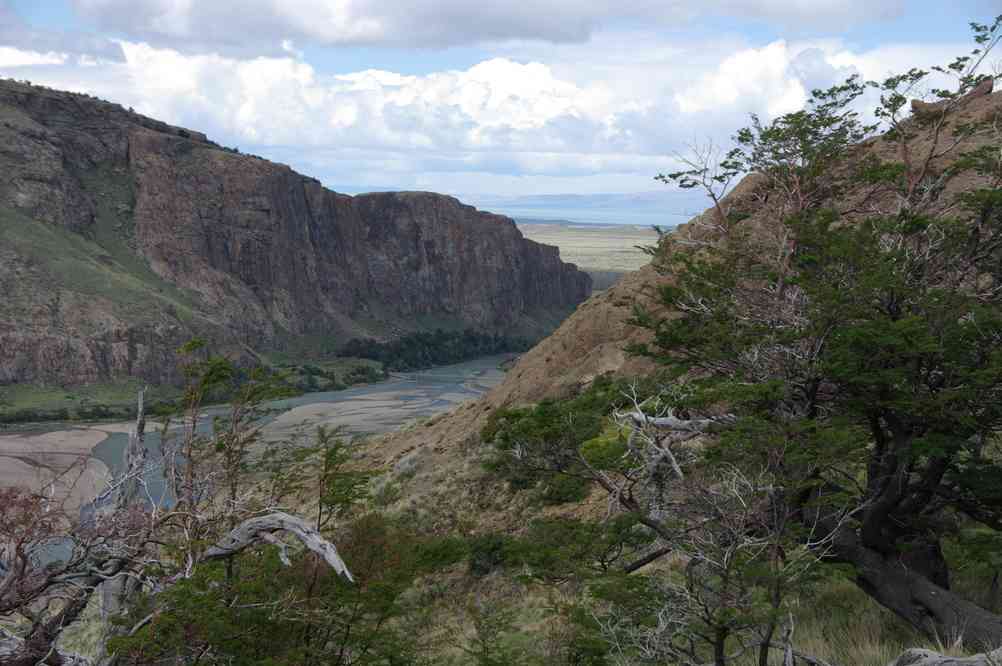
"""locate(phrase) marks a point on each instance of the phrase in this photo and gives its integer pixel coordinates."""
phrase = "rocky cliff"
(121, 236)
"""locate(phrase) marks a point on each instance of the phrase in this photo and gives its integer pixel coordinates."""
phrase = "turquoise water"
(370, 409)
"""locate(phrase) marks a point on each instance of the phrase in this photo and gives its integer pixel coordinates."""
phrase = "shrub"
(437, 553)
(487, 553)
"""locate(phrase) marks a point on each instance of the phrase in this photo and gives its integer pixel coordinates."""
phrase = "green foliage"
(857, 352)
(331, 375)
(33, 403)
(556, 550)
(559, 549)
(537, 447)
(584, 643)
(268, 614)
(488, 644)
(316, 472)
(417, 351)
(799, 151)
(558, 489)
(440, 552)
(487, 553)
(607, 450)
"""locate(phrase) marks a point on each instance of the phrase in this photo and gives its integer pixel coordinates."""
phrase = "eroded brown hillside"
(591, 342)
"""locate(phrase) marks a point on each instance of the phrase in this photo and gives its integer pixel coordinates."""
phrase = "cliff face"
(121, 236)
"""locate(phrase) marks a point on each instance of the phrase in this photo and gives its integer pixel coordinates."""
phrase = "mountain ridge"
(125, 236)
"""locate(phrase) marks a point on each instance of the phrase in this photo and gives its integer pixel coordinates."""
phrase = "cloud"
(496, 104)
(261, 26)
(771, 80)
(504, 124)
(17, 35)
(12, 57)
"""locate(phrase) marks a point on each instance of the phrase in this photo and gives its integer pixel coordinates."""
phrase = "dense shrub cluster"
(549, 437)
(425, 350)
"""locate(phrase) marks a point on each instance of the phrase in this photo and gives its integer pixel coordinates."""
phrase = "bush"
(487, 553)
(549, 437)
(425, 350)
(563, 488)
(437, 553)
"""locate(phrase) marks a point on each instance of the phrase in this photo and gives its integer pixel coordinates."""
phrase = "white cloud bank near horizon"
(554, 117)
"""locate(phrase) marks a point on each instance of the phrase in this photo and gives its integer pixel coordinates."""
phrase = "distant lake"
(665, 208)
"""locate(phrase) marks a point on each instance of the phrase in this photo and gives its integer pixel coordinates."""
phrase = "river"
(31, 456)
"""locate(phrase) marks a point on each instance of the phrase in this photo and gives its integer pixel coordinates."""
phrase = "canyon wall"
(121, 237)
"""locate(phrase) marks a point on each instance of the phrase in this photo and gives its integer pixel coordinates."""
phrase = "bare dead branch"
(255, 530)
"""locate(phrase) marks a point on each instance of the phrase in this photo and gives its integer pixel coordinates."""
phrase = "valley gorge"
(274, 423)
(122, 237)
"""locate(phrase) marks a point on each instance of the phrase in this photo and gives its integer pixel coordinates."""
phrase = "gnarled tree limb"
(262, 529)
(672, 422)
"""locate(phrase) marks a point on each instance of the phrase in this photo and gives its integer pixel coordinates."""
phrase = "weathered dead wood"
(672, 422)
(916, 657)
(12, 650)
(796, 656)
(115, 592)
(110, 559)
(263, 528)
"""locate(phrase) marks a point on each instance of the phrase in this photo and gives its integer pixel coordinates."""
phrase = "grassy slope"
(114, 232)
(71, 282)
(453, 494)
(100, 401)
(62, 264)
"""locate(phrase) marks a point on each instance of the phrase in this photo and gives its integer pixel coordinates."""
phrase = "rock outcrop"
(983, 89)
(121, 236)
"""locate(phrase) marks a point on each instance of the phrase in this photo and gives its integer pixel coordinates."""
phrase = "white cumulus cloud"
(13, 57)
(262, 25)
(527, 120)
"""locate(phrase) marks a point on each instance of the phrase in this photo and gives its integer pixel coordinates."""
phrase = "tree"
(485, 644)
(316, 471)
(737, 562)
(742, 549)
(55, 558)
(851, 327)
(300, 614)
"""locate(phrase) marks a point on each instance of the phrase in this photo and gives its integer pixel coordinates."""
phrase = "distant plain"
(606, 251)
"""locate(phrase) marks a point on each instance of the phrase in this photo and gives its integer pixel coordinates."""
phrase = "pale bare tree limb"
(262, 529)
(917, 657)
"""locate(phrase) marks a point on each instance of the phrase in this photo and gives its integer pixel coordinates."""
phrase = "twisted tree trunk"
(936, 611)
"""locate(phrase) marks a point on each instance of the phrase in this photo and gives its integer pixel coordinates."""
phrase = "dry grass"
(595, 247)
(838, 623)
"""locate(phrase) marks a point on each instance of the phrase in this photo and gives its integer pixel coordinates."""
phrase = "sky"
(498, 100)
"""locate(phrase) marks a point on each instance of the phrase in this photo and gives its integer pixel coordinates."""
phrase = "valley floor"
(80, 457)
(604, 251)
